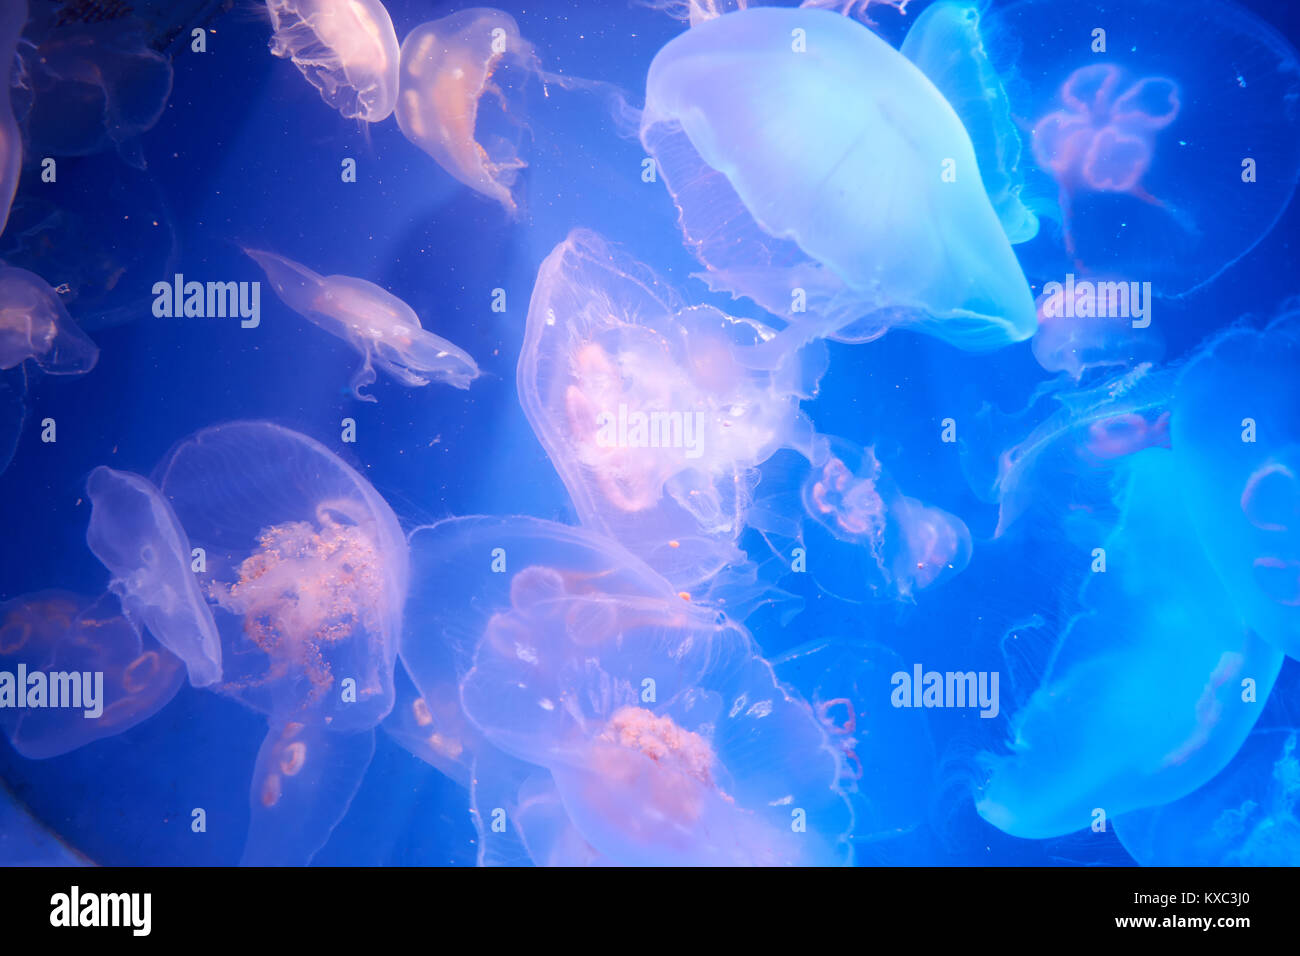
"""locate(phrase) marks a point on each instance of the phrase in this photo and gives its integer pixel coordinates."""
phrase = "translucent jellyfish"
(447, 67)
(1249, 815)
(945, 44)
(12, 19)
(347, 49)
(35, 325)
(1170, 121)
(865, 537)
(58, 645)
(135, 534)
(650, 411)
(95, 86)
(695, 12)
(828, 180)
(305, 571)
(668, 738)
(1152, 688)
(1096, 331)
(376, 323)
(1236, 434)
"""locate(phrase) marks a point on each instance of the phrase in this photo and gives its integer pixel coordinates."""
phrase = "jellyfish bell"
(887, 222)
(347, 49)
(448, 67)
(12, 19)
(35, 325)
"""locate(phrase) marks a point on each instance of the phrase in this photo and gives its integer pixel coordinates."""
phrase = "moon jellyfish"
(12, 19)
(347, 49)
(945, 44)
(1149, 121)
(447, 67)
(1088, 325)
(823, 176)
(649, 410)
(1249, 815)
(95, 86)
(668, 738)
(305, 570)
(1152, 688)
(74, 670)
(137, 537)
(35, 325)
(1236, 435)
(380, 326)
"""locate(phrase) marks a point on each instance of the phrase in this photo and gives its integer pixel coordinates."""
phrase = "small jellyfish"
(877, 219)
(35, 325)
(12, 19)
(1171, 121)
(1093, 324)
(95, 86)
(305, 571)
(1249, 815)
(447, 67)
(695, 12)
(1152, 688)
(74, 670)
(945, 44)
(651, 412)
(376, 323)
(668, 737)
(1236, 434)
(137, 537)
(347, 49)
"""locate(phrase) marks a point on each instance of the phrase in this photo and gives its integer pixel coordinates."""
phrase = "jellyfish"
(825, 178)
(376, 323)
(447, 67)
(347, 49)
(74, 670)
(1087, 325)
(695, 12)
(1153, 123)
(668, 738)
(134, 532)
(12, 19)
(1236, 434)
(945, 44)
(650, 411)
(305, 571)
(1153, 687)
(95, 86)
(35, 325)
(1249, 815)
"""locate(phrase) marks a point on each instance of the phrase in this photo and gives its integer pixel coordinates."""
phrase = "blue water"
(246, 155)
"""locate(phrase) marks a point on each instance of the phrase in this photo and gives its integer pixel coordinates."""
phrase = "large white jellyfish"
(35, 325)
(380, 326)
(447, 66)
(137, 537)
(305, 571)
(820, 173)
(651, 411)
(106, 674)
(347, 49)
(12, 19)
(668, 738)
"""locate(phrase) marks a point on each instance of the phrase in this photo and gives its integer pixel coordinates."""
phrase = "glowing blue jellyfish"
(347, 49)
(35, 325)
(447, 67)
(135, 534)
(827, 179)
(1152, 688)
(667, 737)
(945, 44)
(1249, 815)
(96, 86)
(1090, 324)
(107, 677)
(376, 323)
(650, 411)
(1149, 120)
(305, 571)
(12, 19)
(1236, 435)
